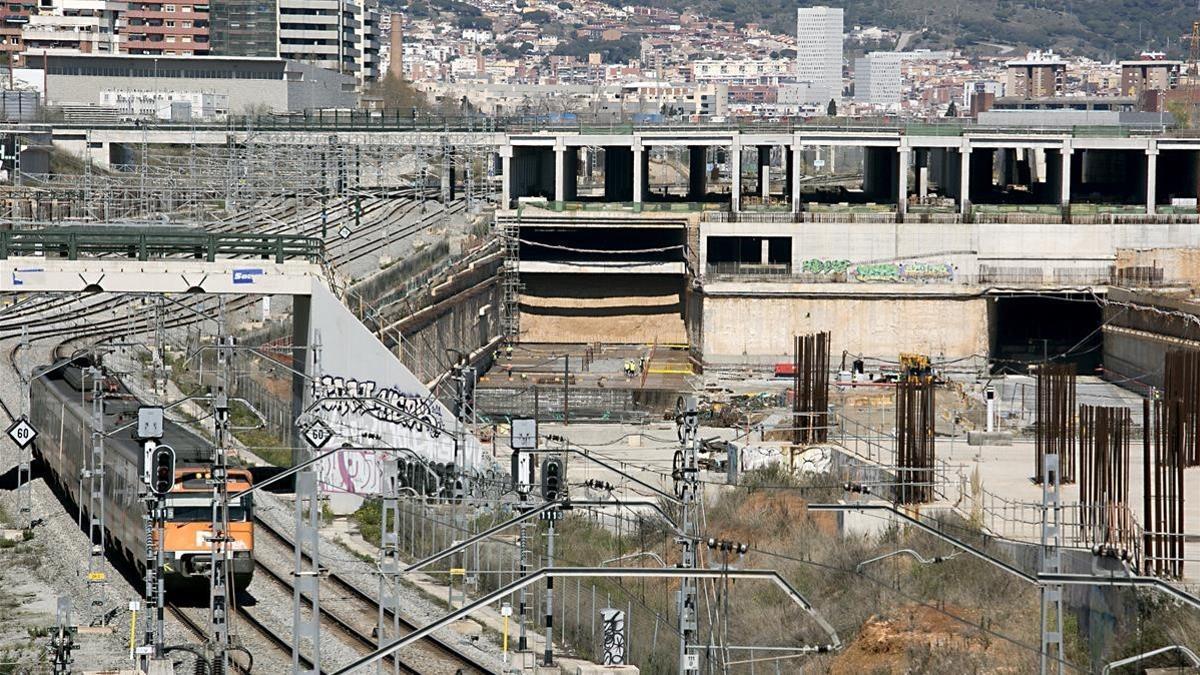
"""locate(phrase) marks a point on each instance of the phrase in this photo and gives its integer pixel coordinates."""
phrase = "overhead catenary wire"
(572, 249)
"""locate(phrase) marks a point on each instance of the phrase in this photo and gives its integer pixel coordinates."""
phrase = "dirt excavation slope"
(626, 309)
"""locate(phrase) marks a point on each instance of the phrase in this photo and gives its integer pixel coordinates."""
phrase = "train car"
(61, 403)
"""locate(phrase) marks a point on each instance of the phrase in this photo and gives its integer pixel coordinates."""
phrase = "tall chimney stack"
(396, 63)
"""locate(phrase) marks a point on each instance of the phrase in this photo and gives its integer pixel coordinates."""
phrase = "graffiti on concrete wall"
(613, 649)
(895, 272)
(346, 396)
(819, 266)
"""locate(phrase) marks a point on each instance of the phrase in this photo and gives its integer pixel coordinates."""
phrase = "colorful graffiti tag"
(346, 396)
(819, 266)
(894, 272)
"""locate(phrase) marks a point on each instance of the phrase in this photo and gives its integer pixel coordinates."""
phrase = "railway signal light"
(552, 478)
(162, 470)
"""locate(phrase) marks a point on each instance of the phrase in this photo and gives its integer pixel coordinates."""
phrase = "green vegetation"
(613, 51)
(261, 442)
(366, 518)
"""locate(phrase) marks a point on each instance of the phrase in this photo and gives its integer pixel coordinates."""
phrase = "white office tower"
(819, 52)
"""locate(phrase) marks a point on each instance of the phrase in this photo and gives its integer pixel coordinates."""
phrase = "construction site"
(442, 398)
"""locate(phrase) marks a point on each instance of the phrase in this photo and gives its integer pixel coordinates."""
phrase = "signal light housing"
(162, 470)
(553, 478)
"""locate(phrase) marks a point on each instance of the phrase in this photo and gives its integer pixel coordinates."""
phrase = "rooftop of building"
(1150, 62)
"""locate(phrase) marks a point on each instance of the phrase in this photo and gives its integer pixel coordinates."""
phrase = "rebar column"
(1056, 419)
(1104, 477)
(810, 402)
(915, 450)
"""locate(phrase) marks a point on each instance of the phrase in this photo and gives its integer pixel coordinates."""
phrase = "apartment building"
(1038, 75)
(13, 20)
(75, 26)
(166, 27)
(741, 72)
(877, 76)
(245, 28)
(819, 45)
(1152, 72)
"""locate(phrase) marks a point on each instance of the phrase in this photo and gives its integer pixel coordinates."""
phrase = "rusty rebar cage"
(1104, 434)
(810, 403)
(1181, 377)
(915, 449)
(1055, 419)
(1162, 471)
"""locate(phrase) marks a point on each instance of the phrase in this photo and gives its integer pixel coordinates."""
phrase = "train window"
(203, 514)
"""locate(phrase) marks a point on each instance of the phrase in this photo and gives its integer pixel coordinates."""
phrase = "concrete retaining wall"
(963, 245)
(760, 329)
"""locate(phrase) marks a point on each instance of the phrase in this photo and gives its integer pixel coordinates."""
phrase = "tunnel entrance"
(1027, 329)
(597, 246)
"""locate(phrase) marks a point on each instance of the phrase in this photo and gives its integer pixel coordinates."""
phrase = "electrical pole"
(548, 655)
(522, 563)
(307, 536)
(389, 560)
(684, 474)
(218, 608)
(554, 488)
(158, 478)
(95, 476)
(24, 468)
(1052, 611)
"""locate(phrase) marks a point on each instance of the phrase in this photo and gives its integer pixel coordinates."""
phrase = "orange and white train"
(61, 410)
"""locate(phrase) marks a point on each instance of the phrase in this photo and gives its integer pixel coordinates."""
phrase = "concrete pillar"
(1037, 165)
(920, 163)
(735, 171)
(506, 177)
(964, 179)
(560, 174)
(764, 172)
(1064, 190)
(1151, 177)
(902, 157)
(639, 173)
(697, 166)
(765, 251)
(795, 158)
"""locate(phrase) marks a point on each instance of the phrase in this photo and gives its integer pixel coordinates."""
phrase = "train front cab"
(188, 529)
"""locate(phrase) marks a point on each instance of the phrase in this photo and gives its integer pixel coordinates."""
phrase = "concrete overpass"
(1057, 169)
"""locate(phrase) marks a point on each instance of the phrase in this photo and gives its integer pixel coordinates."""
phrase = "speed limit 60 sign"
(22, 432)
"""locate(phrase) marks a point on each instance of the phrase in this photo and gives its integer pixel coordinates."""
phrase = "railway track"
(195, 620)
(354, 612)
(71, 318)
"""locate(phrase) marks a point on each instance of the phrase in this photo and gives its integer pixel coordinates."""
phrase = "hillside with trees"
(1103, 29)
